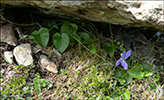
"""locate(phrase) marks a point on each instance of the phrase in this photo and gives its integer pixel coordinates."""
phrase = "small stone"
(22, 54)
(8, 56)
(49, 65)
(8, 35)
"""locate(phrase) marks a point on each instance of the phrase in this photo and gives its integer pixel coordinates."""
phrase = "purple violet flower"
(124, 56)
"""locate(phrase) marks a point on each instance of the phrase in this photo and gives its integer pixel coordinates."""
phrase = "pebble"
(8, 56)
(22, 54)
(49, 65)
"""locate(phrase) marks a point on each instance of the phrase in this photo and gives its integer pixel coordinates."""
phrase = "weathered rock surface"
(8, 56)
(138, 13)
(22, 54)
(46, 63)
(7, 35)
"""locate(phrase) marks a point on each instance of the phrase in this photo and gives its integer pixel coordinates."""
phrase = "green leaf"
(128, 78)
(136, 72)
(147, 74)
(69, 28)
(37, 75)
(109, 49)
(85, 36)
(126, 95)
(41, 37)
(157, 77)
(122, 81)
(20, 98)
(147, 67)
(123, 76)
(61, 42)
(43, 82)
(53, 24)
(49, 86)
(86, 39)
(92, 48)
(153, 85)
(116, 95)
(117, 74)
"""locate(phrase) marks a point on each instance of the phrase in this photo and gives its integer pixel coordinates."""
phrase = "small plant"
(68, 36)
(14, 88)
(138, 71)
(109, 49)
(62, 40)
(39, 83)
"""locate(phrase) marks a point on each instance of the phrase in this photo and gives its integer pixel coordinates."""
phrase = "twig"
(21, 24)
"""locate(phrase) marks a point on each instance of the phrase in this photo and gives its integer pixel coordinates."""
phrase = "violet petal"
(123, 55)
(124, 64)
(128, 54)
(118, 62)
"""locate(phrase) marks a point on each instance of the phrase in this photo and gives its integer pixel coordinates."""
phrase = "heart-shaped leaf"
(61, 42)
(117, 74)
(86, 39)
(41, 37)
(109, 49)
(123, 76)
(69, 28)
(136, 72)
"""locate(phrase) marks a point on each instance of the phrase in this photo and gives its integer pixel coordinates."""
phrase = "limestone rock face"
(22, 54)
(137, 13)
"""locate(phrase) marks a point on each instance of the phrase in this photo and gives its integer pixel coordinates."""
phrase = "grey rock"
(8, 56)
(136, 13)
(7, 35)
(49, 65)
(22, 54)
